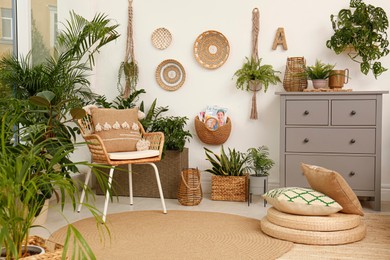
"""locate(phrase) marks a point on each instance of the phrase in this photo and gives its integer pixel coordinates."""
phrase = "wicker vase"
(190, 189)
(294, 77)
(231, 188)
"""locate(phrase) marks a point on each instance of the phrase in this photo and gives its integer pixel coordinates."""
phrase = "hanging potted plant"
(319, 74)
(361, 30)
(253, 76)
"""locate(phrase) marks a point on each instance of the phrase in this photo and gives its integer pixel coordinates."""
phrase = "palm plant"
(231, 164)
(258, 160)
(28, 175)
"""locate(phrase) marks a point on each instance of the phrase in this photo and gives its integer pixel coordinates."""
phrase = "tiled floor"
(256, 209)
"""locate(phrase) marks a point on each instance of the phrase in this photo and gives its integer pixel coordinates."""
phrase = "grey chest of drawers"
(336, 130)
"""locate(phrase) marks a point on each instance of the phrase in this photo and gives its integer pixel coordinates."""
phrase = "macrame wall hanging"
(129, 67)
(255, 86)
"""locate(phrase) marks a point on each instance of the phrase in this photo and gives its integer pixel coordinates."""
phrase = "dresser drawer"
(307, 112)
(353, 112)
(330, 140)
(357, 171)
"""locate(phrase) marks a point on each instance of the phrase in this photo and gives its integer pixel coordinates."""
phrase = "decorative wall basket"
(294, 77)
(214, 137)
(231, 188)
(170, 75)
(161, 38)
(190, 189)
(211, 49)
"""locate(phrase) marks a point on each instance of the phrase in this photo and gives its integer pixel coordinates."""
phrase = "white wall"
(307, 27)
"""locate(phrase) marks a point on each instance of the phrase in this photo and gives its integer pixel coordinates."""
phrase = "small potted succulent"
(319, 74)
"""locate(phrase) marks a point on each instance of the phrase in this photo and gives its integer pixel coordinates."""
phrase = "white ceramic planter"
(258, 184)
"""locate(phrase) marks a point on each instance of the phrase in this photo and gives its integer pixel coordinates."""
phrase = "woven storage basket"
(190, 189)
(232, 188)
(216, 137)
(294, 77)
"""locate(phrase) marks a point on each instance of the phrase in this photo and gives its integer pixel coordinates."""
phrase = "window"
(6, 24)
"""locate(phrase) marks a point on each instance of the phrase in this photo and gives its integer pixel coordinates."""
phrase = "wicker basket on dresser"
(337, 130)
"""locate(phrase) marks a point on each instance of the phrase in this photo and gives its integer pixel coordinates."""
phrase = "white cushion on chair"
(133, 155)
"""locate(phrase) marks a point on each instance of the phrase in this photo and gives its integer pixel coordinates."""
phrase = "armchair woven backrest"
(99, 152)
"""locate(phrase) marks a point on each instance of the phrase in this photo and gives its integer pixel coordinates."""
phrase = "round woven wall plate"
(161, 38)
(170, 75)
(211, 49)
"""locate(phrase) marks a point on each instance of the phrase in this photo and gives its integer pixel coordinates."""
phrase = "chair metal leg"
(159, 187)
(87, 177)
(108, 194)
(130, 184)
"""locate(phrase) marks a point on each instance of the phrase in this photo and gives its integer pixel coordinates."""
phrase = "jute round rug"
(179, 235)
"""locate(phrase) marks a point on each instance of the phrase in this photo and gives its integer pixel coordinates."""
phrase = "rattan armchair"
(101, 156)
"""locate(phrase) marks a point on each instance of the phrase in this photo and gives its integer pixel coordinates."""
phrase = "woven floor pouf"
(334, 229)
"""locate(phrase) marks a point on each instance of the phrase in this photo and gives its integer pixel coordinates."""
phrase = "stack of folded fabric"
(328, 214)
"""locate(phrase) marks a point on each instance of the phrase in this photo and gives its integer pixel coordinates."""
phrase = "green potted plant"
(252, 76)
(259, 164)
(28, 176)
(229, 179)
(319, 73)
(361, 30)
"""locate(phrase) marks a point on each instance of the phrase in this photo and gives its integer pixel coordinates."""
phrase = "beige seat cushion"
(133, 155)
(333, 184)
(118, 128)
(301, 201)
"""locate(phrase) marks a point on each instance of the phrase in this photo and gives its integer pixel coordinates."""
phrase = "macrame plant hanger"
(255, 56)
(129, 66)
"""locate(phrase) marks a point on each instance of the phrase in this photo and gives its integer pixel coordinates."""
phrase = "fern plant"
(231, 164)
(319, 71)
(252, 70)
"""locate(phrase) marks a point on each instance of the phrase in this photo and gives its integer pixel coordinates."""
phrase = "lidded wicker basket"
(215, 137)
(190, 189)
(294, 77)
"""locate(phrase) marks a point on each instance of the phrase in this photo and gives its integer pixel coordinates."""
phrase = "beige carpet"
(179, 235)
(376, 244)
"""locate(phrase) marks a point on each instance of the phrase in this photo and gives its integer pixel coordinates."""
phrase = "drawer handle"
(352, 173)
(353, 112)
(353, 141)
(306, 112)
(306, 140)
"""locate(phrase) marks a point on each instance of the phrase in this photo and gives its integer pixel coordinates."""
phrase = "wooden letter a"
(280, 39)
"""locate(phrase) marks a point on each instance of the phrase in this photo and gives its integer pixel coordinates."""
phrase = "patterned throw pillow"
(118, 128)
(301, 201)
(334, 185)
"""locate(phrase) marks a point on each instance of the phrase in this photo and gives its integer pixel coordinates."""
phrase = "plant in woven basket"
(232, 163)
(258, 160)
(174, 132)
(362, 31)
(253, 71)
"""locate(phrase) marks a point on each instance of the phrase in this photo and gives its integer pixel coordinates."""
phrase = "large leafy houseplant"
(362, 31)
(28, 174)
(253, 71)
(232, 163)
